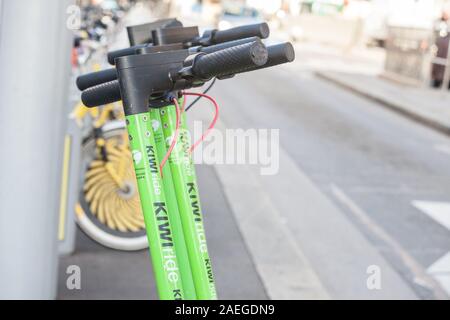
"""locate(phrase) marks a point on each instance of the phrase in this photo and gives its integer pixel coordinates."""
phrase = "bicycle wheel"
(109, 210)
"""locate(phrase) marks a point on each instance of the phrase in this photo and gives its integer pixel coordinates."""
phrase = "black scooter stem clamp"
(146, 77)
(142, 33)
(159, 36)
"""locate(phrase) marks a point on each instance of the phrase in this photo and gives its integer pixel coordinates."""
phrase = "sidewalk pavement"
(427, 106)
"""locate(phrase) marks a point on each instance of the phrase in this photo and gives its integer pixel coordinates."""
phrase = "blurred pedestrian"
(442, 39)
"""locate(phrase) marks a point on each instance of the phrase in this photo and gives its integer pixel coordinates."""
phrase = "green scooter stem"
(185, 182)
(154, 207)
(172, 206)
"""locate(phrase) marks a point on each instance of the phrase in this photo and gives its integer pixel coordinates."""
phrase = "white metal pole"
(35, 69)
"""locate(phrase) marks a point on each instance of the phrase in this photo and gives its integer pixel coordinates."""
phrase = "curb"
(397, 107)
(284, 270)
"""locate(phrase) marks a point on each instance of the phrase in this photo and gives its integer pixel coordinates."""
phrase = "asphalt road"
(370, 161)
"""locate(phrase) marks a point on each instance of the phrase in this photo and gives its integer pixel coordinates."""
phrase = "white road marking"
(421, 276)
(441, 265)
(440, 270)
(438, 211)
(442, 148)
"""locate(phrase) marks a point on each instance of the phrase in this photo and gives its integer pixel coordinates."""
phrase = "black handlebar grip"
(229, 61)
(260, 30)
(228, 44)
(124, 52)
(92, 79)
(277, 54)
(101, 94)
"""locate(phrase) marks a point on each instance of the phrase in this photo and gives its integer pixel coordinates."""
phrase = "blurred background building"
(414, 33)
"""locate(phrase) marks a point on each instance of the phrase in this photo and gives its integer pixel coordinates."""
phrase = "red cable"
(183, 108)
(213, 123)
(175, 138)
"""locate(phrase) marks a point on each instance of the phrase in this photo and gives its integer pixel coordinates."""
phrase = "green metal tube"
(185, 182)
(172, 206)
(154, 207)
